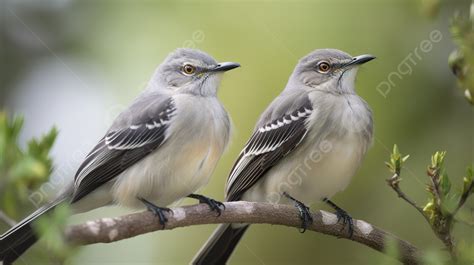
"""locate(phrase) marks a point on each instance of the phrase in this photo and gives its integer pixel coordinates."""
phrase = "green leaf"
(405, 158)
(42, 146)
(430, 210)
(395, 150)
(445, 184)
(51, 228)
(437, 160)
(396, 161)
(28, 168)
(9, 132)
(449, 204)
(390, 167)
(22, 171)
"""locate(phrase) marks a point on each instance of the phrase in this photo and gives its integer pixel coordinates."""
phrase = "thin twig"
(442, 233)
(108, 230)
(434, 176)
(393, 183)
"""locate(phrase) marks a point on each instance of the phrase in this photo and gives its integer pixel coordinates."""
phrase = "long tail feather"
(21, 237)
(220, 246)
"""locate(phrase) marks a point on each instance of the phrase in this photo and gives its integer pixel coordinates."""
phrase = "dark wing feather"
(123, 147)
(268, 145)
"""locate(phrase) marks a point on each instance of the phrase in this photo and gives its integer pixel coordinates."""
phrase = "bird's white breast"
(197, 137)
(324, 163)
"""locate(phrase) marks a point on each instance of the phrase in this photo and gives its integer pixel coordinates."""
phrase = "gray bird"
(308, 144)
(162, 148)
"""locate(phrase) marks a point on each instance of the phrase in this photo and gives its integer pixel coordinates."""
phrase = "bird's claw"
(303, 212)
(342, 215)
(214, 205)
(157, 211)
(346, 221)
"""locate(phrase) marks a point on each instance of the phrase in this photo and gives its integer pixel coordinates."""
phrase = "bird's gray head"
(328, 69)
(190, 71)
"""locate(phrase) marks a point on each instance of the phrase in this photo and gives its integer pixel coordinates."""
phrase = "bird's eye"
(188, 69)
(324, 67)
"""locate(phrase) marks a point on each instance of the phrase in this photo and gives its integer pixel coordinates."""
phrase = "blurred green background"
(77, 64)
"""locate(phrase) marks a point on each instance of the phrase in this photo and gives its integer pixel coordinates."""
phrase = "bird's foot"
(157, 211)
(214, 205)
(342, 215)
(304, 213)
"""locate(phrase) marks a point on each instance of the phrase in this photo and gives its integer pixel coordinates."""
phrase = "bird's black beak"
(222, 67)
(361, 59)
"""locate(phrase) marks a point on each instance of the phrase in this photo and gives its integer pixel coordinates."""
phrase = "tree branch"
(108, 230)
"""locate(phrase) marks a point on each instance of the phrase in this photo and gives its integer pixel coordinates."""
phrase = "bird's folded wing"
(268, 144)
(138, 132)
